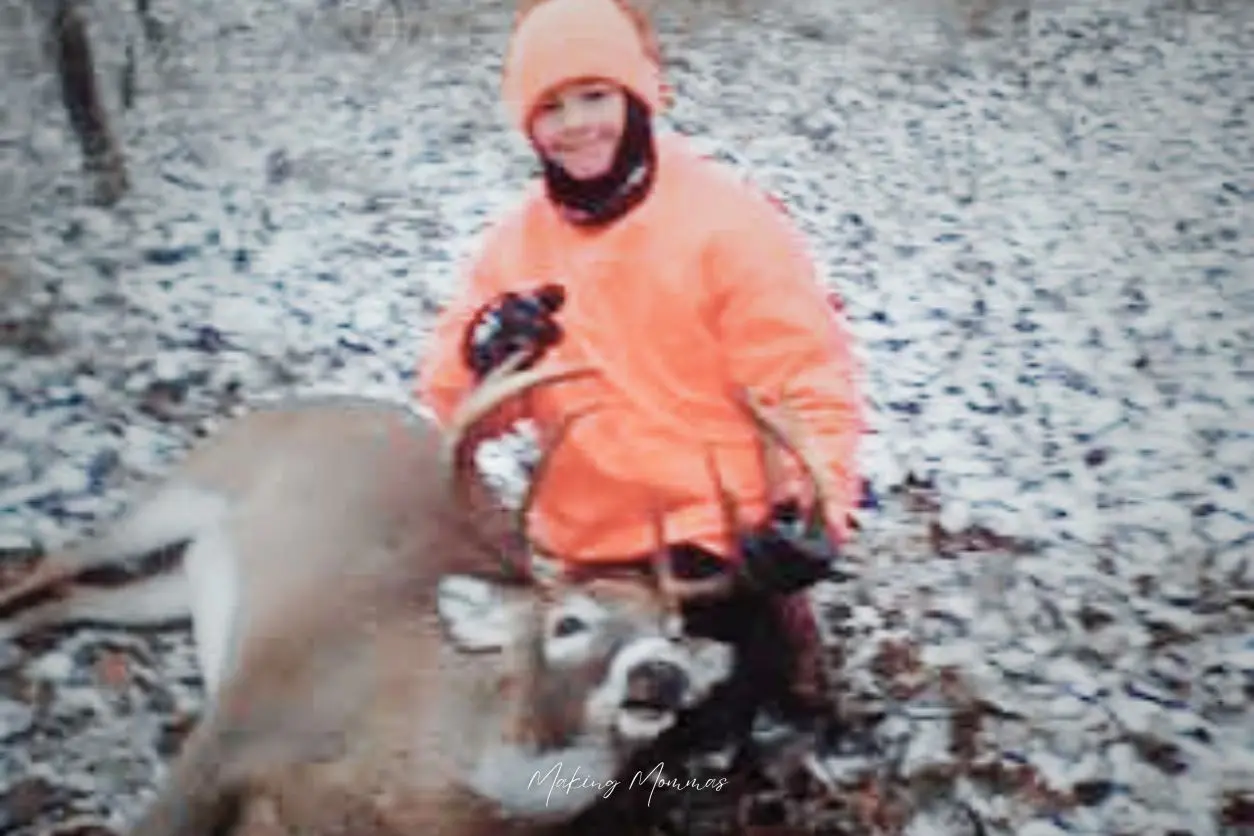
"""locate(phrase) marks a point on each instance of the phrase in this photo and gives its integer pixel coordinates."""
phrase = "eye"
(574, 620)
(571, 631)
(569, 625)
(547, 107)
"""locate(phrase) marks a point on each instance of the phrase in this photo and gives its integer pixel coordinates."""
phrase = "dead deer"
(370, 660)
(363, 645)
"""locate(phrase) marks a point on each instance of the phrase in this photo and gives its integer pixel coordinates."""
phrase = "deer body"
(369, 666)
(281, 502)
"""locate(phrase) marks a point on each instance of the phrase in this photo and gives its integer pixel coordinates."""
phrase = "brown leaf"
(113, 670)
(1163, 754)
(895, 658)
(965, 735)
(28, 799)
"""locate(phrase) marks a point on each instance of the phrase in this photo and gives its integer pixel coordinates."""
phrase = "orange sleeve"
(786, 343)
(443, 377)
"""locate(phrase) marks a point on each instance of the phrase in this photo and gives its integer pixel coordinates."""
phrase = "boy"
(681, 285)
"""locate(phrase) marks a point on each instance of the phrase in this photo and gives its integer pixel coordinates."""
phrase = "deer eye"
(569, 625)
(571, 630)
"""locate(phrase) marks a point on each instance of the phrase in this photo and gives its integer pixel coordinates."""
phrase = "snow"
(1044, 242)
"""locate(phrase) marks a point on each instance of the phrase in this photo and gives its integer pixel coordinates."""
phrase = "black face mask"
(599, 201)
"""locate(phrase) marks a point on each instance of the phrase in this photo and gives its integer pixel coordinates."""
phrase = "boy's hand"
(786, 555)
(510, 323)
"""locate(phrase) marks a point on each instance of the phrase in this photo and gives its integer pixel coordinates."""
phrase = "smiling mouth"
(584, 149)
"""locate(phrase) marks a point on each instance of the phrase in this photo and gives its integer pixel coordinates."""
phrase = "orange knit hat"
(557, 41)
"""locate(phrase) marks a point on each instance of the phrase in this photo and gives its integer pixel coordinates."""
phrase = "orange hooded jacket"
(703, 287)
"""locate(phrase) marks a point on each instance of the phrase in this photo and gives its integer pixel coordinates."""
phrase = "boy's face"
(579, 125)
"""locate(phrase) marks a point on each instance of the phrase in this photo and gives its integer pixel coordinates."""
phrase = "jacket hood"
(559, 41)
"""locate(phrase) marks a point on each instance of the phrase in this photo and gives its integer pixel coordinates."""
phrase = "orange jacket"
(705, 285)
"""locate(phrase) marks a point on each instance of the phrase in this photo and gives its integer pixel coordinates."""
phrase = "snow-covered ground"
(1045, 244)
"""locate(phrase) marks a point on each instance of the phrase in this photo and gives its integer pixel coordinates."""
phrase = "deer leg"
(80, 94)
(155, 600)
(171, 515)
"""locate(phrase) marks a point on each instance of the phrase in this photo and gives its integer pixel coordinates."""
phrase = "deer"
(377, 655)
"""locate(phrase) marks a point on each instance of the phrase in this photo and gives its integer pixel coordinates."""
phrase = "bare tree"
(71, 49)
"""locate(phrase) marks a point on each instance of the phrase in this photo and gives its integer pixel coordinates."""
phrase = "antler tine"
(664, 573)
(727, 503)
(503, 383)
(770, 460)
(550, 585)
(787, 435)
(678, 590)
(523, 512)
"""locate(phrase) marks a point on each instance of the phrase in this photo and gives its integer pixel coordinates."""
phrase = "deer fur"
(373, 662)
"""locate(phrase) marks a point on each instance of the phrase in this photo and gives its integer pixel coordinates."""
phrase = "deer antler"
(773, 435)
(783, 433)
(675, 590)
(664, 573)
(539, 472)
(502, 384)
(787, 435)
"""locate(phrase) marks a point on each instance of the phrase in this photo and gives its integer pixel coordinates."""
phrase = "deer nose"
(658, 684)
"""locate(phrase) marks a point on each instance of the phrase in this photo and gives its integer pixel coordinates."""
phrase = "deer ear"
(473, 613)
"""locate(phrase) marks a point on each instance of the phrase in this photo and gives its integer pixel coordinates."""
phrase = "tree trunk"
(80, 94)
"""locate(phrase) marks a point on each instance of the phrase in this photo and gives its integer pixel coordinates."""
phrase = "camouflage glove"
(788, 553)
(510, 323)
